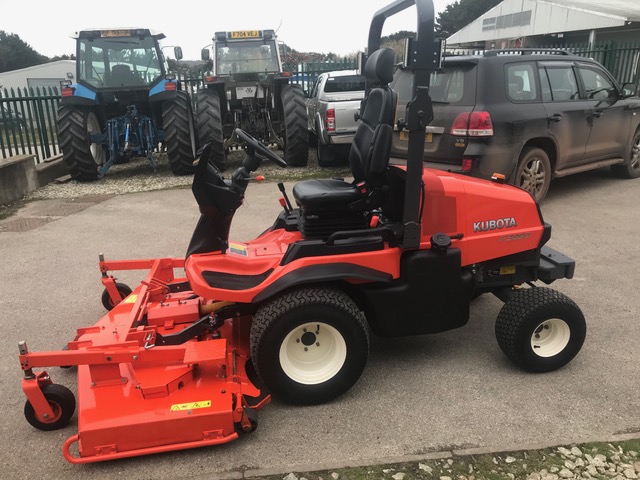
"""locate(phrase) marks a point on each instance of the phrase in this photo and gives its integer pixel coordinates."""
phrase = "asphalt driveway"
(422, 394)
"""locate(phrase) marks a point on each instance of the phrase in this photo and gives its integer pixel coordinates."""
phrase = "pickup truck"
(332, 103)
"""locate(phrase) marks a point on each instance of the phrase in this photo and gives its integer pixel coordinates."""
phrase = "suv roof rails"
(526, 51)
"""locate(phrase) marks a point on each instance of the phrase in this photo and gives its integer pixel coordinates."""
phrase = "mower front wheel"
(63, 404)
(123, 289)
(309, 345)
(540, 329)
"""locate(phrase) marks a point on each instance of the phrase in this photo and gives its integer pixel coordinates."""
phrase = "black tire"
(179, 134)
(81, 156)
(534, 172)
(540, 329)
(296, 135)
(209, 117)
(631, 167)
(341, 348)
(123, 289)
(63, 404)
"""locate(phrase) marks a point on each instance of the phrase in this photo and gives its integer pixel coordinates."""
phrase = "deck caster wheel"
(123, 289)
(540, 329)
(309, 345)
(63, 404)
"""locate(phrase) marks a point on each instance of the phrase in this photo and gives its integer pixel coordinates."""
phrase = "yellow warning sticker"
(507, 270)
(130, 299)
(178, 407)
(238, 249)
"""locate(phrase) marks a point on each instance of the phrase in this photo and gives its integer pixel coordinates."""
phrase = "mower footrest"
(554, 265)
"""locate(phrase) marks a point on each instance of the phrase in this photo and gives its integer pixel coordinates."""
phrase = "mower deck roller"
(154, 375)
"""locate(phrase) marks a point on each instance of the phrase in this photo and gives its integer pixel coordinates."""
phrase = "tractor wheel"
(179, 134)
(631, 167)
(123, 289)
(296, 135)
(63, 404)
(534, 172)
(82, 157)
(540, 329)
(210, 127)
(309, 345)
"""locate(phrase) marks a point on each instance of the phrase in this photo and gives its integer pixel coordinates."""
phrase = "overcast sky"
(339, 26)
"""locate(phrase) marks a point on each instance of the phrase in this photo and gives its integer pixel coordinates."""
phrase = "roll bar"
(424, 56)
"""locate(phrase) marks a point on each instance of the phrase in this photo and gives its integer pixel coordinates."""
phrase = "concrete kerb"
(51, 169)
(17, 177)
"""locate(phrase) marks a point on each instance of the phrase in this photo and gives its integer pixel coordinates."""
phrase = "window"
(246, 57)
(562, 81)
(345, 83)
(521, 83)
(597, 86)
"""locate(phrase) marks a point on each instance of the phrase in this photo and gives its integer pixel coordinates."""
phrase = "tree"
(461, 13)
(16, 54)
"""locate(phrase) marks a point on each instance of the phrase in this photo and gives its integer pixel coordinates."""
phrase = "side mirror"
(629, 90)
(205, 55)
(177, 52)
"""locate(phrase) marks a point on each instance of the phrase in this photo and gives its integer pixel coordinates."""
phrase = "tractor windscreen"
(119, 62)
(246, 57)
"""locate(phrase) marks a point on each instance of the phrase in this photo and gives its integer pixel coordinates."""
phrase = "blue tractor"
(123, 104)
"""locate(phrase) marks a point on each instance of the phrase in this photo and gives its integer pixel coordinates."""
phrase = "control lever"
(288, 207)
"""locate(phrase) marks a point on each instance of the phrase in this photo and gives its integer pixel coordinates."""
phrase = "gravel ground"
(610, 461)
(137, 176)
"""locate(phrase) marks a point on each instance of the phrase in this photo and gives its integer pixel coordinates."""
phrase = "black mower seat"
(325, 194)
(370, 150)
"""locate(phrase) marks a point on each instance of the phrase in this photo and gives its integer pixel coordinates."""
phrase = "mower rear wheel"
(63, 404)
(209, 117)
(82, 157)
(123, 289)
(296, 135)
(179, 134)
(309, 345)
(540, 329)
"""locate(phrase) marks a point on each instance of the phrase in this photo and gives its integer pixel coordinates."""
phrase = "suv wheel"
(534, 172)
(631, 167)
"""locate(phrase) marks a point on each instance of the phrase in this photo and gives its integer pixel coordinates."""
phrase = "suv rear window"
(454, 84)
(346, 83)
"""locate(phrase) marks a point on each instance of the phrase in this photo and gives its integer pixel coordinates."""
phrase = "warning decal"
(130, 299)
(238, 249)
(178, 407)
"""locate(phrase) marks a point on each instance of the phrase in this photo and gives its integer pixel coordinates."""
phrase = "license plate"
(428, 137)
(245, 34)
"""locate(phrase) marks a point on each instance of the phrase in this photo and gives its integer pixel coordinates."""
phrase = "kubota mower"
(401, 250)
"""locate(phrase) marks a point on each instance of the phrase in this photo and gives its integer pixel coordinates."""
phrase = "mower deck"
(155, 374)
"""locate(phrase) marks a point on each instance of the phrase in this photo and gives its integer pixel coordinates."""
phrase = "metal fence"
(28, 122)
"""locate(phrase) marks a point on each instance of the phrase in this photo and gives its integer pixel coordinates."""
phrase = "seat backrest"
(122, 74)
(371, 147)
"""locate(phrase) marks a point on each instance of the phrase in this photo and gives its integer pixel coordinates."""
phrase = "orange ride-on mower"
(401, 250)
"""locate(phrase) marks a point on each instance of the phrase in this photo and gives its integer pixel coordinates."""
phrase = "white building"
(43, 75)
(532, 23)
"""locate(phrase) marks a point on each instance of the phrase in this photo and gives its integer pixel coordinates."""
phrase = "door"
(610, 114)
(568, 115)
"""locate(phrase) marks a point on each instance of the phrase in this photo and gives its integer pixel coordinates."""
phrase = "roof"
(626, 9)
(42, 66)
(518, 18)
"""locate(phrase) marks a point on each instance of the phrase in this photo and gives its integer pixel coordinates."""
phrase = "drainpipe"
(592, 40)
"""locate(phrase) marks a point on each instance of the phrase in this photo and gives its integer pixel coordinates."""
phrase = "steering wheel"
(261, 149)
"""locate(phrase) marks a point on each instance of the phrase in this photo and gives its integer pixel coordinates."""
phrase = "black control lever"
(286, 198)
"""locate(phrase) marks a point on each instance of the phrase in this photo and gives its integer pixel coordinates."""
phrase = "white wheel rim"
(313, 353)
(550, 338)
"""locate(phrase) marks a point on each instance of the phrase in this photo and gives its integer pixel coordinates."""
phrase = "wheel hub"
(312, 353)
(550, 338)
